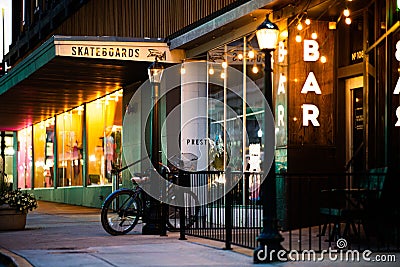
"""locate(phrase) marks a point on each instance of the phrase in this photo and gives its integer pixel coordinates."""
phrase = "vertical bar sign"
(397, 88)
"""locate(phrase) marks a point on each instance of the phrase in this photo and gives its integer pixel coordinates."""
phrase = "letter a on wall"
(311, 85)
(397, 88)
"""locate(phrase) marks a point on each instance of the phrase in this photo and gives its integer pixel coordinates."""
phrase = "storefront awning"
(65, 72)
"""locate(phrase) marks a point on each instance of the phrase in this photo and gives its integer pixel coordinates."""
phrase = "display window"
(104, 128)
(69, 147)
(240, 56)
(9, 155)
(43, 147)
(24, 158)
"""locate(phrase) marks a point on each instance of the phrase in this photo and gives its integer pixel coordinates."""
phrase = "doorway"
(355, 145)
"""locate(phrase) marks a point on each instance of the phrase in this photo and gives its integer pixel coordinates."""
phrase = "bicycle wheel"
(120, 212)
(192, 211)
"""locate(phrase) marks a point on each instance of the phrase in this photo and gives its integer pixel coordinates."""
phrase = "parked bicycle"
(122, 209)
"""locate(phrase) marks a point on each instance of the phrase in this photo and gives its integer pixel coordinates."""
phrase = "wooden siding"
(324, 73)
(137, 18)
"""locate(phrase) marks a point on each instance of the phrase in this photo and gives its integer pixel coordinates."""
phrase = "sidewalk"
(65, 235)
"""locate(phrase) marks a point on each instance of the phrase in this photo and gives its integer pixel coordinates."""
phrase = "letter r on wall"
(310, 113)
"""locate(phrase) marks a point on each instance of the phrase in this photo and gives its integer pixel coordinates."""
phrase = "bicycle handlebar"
(116, 170)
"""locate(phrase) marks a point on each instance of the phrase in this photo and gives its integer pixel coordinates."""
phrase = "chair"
(351, 205)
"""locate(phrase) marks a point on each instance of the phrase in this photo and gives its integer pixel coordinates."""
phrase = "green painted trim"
(91, 196)
(37, 59)
(55, 155)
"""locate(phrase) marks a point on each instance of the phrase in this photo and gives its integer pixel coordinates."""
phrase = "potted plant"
(14, 206)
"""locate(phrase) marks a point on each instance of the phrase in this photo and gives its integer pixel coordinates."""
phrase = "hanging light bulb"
(284, 34)
(255, 68)
(346, 12)
(323, 59)
(240, 56)
(298, 38)
(251, 54)
(183, 70)
(224, 64)
(223, 75)
(299, 26)
(211, 70)
(308, 21)
(348, 21)
(314, 35)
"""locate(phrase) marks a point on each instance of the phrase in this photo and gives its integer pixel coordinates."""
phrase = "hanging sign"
(136, 51)
(311, 111)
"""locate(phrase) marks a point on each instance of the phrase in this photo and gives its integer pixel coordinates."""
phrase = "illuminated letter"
(282, 52)
(311, 52)
(307, 116)
(397, 88)
(398, 117)
(281, 87)
(397, 54)
(311, 85)
(281, 114)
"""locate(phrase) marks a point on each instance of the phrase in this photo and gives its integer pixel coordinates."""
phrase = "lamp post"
(154, 224)
(155, 72)
(269, 239)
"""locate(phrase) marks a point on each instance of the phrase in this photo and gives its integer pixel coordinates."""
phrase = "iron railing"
(314, 210)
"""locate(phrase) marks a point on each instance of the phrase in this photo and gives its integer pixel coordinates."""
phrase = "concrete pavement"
(65, 235)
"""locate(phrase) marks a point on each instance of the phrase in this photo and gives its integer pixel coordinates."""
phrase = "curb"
(10, 259)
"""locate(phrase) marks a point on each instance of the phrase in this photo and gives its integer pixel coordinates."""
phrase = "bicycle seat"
(140, 179)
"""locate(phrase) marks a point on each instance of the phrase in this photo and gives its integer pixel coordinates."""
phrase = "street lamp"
(269, 239)
(154, 223)
(155, 72)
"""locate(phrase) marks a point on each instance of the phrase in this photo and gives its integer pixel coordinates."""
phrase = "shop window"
(236, 53)
(104, 127)
(69, 148)
(24, 158)
(9, 155)
(43, 146)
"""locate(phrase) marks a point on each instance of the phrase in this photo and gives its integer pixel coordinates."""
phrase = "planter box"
(10, 219)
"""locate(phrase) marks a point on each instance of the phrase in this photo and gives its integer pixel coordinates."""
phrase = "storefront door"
(357, 130)
(355, 145)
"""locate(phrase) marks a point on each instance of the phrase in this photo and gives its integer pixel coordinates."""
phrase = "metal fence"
(232, 216)
(314, 210)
